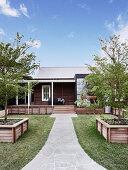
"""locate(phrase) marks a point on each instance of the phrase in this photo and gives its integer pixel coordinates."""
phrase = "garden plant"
(108, 79)
(15, 63)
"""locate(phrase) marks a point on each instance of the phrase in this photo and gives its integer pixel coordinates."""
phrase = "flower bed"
(112, 133)
(10, 133)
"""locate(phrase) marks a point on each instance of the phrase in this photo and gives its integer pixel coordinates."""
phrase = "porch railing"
(33, 109)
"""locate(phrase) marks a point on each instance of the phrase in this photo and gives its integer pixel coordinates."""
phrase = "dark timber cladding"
(66, 91)
(60, 90)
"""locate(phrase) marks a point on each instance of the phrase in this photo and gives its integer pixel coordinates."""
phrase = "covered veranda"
(33, 107)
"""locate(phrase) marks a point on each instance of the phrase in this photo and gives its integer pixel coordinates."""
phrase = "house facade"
(62, 83)
(56, 91)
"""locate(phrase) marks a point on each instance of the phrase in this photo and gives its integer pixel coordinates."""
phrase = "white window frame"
(43, 86)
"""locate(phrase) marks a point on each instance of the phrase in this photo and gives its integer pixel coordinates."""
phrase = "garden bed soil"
(112, 133)
(80, 110)
(116, 121)
(9, 121)
(10, 133)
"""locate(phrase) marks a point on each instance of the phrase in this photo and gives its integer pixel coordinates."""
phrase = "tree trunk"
(5, 107)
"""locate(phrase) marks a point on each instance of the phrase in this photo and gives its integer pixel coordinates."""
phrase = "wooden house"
(60, 86)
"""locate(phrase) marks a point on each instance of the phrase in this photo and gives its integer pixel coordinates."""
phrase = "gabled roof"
(60, 72)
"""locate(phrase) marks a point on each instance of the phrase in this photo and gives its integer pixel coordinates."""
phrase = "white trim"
(43, 94)
(28, 97)
(52, 93)
(25, 98)
(47, 81)
(17, 100)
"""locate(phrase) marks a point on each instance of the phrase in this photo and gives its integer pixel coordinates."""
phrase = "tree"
(15, 64)
(109, 77)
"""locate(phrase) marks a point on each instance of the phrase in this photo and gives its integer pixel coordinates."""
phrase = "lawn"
(17, 155)
(110, 155)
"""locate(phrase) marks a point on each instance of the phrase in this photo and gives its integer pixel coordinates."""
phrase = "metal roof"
(60, 72)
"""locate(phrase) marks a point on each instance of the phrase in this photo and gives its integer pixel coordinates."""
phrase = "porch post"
(29, 95)
(25, 97)
(52, 92)
(17, 98)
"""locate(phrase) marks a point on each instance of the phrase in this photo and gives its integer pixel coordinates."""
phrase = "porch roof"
(60, 72)
(49, 81)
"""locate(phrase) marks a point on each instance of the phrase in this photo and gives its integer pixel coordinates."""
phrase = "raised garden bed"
(10, 133)
(112, 133)
(2, 113)
(89, 111)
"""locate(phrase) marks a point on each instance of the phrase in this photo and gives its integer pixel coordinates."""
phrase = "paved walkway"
(62, 150)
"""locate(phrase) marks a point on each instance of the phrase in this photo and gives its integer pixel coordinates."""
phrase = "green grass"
(17, 155)
(110, 155)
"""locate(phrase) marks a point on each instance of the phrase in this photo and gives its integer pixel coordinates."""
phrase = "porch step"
(64, 109)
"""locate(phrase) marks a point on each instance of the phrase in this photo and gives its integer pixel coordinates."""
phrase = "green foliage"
(82, 103)
(94, 106)
(86, 104)
(109, 77)
(116, 122)
(15, 64)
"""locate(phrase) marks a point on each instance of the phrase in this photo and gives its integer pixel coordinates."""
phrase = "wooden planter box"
(112, 133)
(10, 133)
(89, 111)
(2, 113)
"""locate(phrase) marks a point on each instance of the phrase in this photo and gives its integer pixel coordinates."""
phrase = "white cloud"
(2, 31)
(119, 17)
(110, 26)
(24, 10)
(71, 35)
(119, 26)
(54, 17)
(34, 43)
(123, 33)
(111, 1)
(33, 29)
(6, 9)
(82, 5)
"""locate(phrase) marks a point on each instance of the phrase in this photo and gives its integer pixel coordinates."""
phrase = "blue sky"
(65, 32)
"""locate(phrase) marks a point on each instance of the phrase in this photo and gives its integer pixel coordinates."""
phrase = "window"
(45, 92)
(80, 87)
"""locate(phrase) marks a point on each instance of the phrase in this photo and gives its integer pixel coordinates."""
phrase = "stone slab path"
(62, 150)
